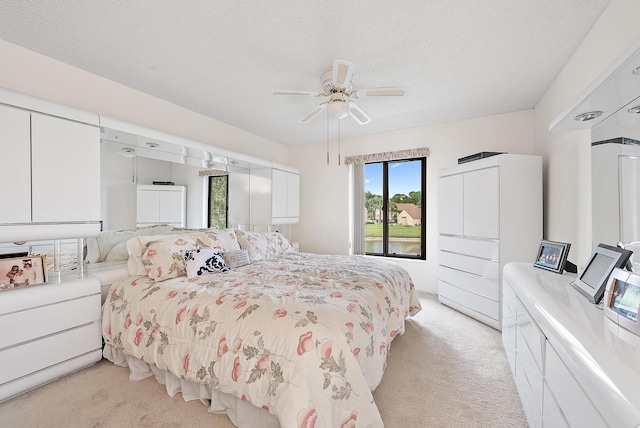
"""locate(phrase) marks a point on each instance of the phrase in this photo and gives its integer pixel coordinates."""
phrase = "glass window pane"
(218, 201)
(405, 207)
(373, 203)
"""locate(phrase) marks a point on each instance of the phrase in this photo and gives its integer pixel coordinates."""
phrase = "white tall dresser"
(489, 214)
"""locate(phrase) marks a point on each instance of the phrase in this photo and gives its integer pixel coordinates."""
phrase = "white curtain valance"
(212, 172)
(388, 156)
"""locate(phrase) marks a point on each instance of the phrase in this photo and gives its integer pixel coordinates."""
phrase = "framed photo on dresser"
(552, 255)
(21, 271)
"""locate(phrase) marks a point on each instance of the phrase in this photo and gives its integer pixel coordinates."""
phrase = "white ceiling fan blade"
(304, 93)
(342, 72)
(358, 114)
(313, 113)
(379, 92)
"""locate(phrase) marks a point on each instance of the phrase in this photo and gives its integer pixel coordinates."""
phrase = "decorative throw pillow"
(167, 258)
(281, 244)
(205, 260)
(258, 244)
(235, 259)
(224, 239)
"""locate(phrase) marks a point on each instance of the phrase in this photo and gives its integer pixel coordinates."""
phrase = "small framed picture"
(21, 271)
(552, 256)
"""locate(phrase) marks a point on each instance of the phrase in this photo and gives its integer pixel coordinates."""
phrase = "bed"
(270, 336)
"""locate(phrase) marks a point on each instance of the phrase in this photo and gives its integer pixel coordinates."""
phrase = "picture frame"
(552, 255)
(604, 259)
(622, 299)
(21, 272)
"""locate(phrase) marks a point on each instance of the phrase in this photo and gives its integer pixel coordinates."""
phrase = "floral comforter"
(303, 336)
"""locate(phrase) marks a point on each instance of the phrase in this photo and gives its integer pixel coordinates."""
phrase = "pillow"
(138, 245)
(205, 260)
(224, 239)
(282, 244)
(235, 259)
(166, 258)
(99, 248)
(117, 253)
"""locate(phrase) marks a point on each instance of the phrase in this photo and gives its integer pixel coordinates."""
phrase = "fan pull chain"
(338, 142)
(327, 140)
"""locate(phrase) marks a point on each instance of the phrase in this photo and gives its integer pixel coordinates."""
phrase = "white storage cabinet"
(275, 196)
(50, 176)
(160, 204)
(572, 366)
(489, 213)
(48, 331)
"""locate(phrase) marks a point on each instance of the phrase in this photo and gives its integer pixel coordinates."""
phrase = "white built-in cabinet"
(48, 331)
(50, 176)
(573, 367)
(489, 213)
(161, 204)
(275, 196)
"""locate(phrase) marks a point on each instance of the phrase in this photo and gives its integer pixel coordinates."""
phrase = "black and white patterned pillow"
(204, 260)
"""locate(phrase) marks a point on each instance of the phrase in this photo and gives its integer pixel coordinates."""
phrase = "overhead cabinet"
(275, 196)
(51, 176)
(489, 213)
(159, 204)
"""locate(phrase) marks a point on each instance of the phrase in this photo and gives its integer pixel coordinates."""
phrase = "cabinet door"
(629, 199)
(15, 173)
(481, 203)
(148, 209)
(450, 205)
(293, 195)
(65, 162)
(279, 193)
(171, 206)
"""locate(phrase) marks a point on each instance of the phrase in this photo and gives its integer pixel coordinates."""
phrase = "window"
(218, 197)
(395, 208)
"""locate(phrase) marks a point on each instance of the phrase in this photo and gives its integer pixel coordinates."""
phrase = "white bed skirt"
(241, 413)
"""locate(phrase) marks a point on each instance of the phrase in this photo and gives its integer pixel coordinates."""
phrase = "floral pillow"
(235, 259)
(224, 239)
(264, 245)
(165, 258)
(204, 260)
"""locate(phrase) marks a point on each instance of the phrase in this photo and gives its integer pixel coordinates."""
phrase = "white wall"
(40, 76)
(567, 155)
(324, 189)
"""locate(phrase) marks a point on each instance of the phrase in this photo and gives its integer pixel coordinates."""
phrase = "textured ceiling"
(456, 59)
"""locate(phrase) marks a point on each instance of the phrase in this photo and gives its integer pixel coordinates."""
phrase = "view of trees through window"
(394, 202)
(218, 191)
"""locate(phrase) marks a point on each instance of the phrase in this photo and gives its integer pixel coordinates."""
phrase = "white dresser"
(160, 204)
(572, 365)
(489, 214)
(48, 331)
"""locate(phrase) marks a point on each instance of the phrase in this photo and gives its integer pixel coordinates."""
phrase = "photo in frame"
(552, 256)
(21, 271)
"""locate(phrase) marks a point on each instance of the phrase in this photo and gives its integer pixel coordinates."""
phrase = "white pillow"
(204, 260)
(224, 239)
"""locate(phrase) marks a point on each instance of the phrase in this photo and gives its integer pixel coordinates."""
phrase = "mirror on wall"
(129, 160)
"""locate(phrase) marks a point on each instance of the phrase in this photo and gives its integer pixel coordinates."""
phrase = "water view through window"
(394, 200)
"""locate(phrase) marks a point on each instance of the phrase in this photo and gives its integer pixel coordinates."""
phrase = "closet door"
(15, 173)
(481, 203)
(65, 170)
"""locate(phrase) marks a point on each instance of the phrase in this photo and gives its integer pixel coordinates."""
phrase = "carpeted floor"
(447, 370)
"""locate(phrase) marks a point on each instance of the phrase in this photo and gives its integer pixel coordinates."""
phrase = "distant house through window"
(395, 208)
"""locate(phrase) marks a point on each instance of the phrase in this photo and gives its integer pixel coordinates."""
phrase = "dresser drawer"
(48, 319)
(484, 287)
(487, 307)
(481, 267)
(532, 336)
(552, 415)
(576, 405)
(483, 248)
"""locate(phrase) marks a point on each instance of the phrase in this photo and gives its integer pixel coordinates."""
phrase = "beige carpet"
(447, 370)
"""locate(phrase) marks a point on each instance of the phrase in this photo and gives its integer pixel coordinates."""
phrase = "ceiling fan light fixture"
(338, 109)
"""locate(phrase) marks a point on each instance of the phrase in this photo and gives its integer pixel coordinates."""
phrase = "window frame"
(385, 209)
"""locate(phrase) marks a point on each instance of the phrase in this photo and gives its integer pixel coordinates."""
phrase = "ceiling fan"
(340, 94)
